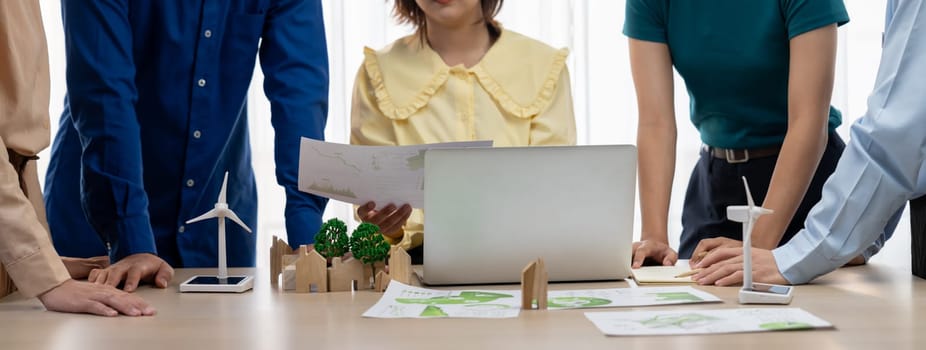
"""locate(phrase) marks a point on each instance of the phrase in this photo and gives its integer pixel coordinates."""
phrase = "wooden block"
(382, 281)
(278, 249)
(918, 236)
(343, 274)
(289, 277)
(400, 265)
(318, 271)
(276, 266)
(534, 280)
(311, 269)
(541, 284)
(527, 285)
(366, 282)
(368, 274)
(289, 259)
(303, 277)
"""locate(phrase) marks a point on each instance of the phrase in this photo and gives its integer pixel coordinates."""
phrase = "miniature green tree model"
(368, 245)
(331, 240)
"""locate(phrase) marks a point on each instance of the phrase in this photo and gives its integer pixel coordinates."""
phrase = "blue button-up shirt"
(156, 113)
(882, 167)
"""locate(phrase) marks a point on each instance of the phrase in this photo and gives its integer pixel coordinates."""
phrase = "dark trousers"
(716, 184)
(918, 236)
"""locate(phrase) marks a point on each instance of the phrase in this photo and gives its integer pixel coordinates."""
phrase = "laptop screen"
(490, 211)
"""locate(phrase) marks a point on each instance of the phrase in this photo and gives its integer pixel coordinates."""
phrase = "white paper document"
(404, 301)
(626, 297)
(684, 322)
(359, 174)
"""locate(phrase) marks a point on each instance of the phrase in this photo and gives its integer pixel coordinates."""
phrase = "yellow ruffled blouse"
(517, 95)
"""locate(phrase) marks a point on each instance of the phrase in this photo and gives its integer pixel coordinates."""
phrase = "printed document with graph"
(359, 174)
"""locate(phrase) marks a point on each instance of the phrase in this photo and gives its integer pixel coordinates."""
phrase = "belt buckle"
(731, 156)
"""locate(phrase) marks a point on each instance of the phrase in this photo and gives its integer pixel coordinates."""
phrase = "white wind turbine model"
(754, 293)
(222, 282)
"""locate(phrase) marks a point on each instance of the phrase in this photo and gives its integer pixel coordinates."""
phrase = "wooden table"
(872, 307)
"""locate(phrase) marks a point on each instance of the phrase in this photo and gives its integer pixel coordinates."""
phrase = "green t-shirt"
(733, 55)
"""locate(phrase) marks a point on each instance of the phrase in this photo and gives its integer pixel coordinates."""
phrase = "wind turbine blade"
(748, 194)
(231, 216)
(224, 186)
(738, 213)
(208, 215)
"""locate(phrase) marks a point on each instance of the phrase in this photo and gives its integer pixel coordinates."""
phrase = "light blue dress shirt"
(889, 13)
(883, 166)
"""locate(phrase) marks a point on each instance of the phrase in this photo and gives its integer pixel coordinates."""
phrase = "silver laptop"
(490, 211)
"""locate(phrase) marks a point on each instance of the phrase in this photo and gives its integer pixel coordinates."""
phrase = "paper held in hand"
(360, 174)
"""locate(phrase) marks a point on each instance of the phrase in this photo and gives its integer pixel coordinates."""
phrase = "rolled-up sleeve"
(25, 249)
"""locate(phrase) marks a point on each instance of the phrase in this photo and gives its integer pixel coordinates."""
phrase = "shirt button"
(190, 183)
(207, 33)
(181, 229)
(197, 134)
(201, 82)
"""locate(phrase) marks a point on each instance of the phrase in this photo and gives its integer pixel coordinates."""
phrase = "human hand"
(103, 300)
(707, 245)
(655, 250)
(389, 219)
(79, 268)
(857, 260)
(132, 269)
(724, 267)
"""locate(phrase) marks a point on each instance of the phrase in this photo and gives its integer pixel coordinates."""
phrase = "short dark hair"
(408, 12)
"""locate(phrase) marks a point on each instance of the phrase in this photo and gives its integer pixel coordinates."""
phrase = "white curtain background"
(605, 105)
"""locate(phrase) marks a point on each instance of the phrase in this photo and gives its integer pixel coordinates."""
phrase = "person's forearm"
(25, 249)
(810, 85)
(651, 65)
(857, 202)
(294, 60)
(797, 163)
(656, 159)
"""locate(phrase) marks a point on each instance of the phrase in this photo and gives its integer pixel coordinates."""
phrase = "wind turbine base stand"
(761, 293)
(213, 284)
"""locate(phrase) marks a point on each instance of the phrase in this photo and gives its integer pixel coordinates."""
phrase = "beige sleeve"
(25, 248)
(556, 126)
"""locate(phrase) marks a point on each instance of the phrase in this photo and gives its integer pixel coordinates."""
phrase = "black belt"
(734, 156)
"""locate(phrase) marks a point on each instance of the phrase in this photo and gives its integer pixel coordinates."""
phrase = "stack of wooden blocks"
(305, 270)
